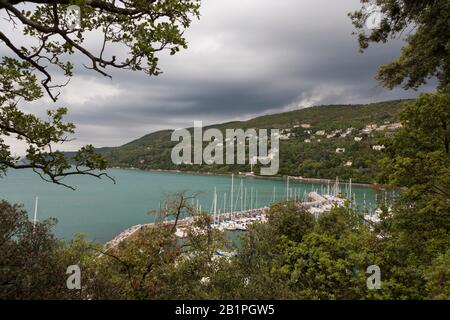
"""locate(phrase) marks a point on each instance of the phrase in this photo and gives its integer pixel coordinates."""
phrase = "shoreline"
(277, 178)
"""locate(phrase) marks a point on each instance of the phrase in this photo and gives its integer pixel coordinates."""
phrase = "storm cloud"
(245, 58)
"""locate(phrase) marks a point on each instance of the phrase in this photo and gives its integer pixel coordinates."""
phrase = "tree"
(307, 258)
(417, 161)
(416, 229)
(155, 264)
(32, 265)
(426, 52)
(141, 29)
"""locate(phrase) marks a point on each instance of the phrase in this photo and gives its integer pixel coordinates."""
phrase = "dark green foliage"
(144, 28)
(313, 160)
(424, 26)
(33, 262)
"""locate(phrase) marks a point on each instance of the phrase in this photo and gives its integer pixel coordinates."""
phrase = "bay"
(101, 209)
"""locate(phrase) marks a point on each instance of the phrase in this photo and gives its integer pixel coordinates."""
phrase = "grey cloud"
(245, 58)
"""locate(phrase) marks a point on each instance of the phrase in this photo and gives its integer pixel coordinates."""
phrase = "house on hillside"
(369, 128)
(320, 133)
(378, 147)
(394, 126)
(286, 136)
(340, 150)
(358, 139)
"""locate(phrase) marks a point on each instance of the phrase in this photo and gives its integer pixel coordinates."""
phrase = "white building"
(378, 147)
(358, 139)
(340, 150)
(320, 133)
(369, 128)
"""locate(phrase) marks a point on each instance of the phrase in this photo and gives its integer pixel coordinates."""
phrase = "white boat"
(229, 225)
(226, 254)
(241, 226)
(181, 233)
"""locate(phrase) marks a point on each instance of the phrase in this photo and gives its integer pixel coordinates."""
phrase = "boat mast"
(242, 195)
(350, 191)
(232, 192)
(287, 189)
(215, 204)
(35, 211)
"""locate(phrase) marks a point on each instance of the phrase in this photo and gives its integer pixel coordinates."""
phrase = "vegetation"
(293, 255)
(315, 159)
(424, 24)
(143, 28)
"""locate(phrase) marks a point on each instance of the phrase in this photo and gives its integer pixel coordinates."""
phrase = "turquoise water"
(101, 209)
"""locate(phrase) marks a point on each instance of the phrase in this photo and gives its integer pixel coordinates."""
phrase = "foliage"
(32, 265)
(311, 160)
(418, 162)
(142, 29)
(425, 26)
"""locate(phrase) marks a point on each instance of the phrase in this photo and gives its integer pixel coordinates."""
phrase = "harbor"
(243, 210)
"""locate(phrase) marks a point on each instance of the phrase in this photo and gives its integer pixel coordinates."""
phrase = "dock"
(231, 221)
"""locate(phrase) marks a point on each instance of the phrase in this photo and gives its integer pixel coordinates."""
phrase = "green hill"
(305, 153)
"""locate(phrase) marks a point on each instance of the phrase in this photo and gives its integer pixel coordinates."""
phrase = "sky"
(245, 58)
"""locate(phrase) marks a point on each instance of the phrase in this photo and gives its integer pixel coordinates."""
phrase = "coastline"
(277, 178)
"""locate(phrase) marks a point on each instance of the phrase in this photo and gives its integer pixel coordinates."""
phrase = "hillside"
(309, 146)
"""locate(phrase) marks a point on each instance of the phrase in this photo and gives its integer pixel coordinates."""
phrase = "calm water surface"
(101, 209)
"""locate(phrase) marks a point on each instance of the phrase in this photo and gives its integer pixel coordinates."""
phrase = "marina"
(102, 210)
(313, 202)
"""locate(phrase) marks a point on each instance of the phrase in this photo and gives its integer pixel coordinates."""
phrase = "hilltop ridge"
(317, 142)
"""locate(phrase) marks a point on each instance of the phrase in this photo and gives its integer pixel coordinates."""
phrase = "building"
(394, 126)
(358, 139)
(378, 147)
(320, 133)
(369, 128)
(285, 136)
(340, 150)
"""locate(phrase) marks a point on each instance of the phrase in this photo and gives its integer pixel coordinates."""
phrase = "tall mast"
(287, 189)
(225, 202)
(232, 192)
(35, 211)
(215, 204)
(350, 191)
(242, 195)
